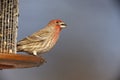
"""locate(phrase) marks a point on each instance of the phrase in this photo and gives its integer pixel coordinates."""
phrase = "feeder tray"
(9, 58)
(10, 61)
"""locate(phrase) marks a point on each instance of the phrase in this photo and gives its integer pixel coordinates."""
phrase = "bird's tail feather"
(19, 48)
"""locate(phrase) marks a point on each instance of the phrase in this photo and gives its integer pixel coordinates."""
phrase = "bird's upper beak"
(63, 25)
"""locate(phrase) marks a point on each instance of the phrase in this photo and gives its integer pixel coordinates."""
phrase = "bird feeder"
(9, 58)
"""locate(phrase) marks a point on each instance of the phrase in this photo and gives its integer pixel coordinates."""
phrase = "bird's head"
(58, 23)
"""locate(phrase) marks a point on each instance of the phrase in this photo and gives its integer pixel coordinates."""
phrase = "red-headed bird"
(43, 40)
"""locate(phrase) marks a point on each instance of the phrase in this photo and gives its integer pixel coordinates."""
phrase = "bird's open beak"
(63, 25)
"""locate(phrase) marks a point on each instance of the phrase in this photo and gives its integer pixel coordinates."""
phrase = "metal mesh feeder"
(8, 38)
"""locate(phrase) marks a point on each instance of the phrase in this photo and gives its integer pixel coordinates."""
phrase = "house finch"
(43, 40)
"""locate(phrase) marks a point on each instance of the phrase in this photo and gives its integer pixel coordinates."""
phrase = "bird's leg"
(34, 53)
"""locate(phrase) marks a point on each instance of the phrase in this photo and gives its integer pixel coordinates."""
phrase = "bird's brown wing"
(38, 36)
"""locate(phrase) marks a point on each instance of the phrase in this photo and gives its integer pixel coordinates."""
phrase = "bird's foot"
(35, 53)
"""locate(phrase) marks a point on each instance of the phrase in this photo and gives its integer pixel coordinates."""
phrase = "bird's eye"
(57, 22)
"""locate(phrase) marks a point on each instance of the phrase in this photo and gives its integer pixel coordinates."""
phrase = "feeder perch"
(8, 38)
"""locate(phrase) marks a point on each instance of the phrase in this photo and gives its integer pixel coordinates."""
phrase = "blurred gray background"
(88, 49)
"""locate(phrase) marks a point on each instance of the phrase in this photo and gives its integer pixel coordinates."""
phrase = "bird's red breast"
(57, 33)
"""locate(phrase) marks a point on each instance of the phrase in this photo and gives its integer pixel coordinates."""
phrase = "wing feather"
(39, 36)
